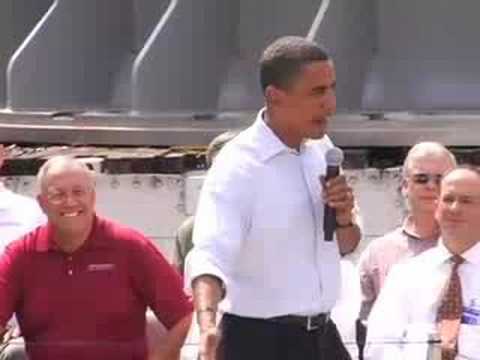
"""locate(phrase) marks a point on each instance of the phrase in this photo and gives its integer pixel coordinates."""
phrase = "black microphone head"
(334, 157)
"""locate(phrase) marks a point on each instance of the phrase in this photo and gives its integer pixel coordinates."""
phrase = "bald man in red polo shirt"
(80, 285)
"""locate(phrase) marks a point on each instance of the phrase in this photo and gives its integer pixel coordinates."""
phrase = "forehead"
(431, 162)
(70, 177)
(316, 73)
(462, 181)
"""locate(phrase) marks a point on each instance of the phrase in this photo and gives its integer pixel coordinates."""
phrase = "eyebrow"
(323, 88)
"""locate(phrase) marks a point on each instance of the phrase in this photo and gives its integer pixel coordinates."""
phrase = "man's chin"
(317, 135)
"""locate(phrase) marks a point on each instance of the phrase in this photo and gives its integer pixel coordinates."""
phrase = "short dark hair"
(283, 59)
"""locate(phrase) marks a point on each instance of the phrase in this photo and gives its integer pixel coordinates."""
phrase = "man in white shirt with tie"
(438, 292)
(258, 238)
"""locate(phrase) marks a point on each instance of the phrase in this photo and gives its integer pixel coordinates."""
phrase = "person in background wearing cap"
(258, 237)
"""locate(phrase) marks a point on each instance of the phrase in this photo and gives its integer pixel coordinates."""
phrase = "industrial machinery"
(178, 72)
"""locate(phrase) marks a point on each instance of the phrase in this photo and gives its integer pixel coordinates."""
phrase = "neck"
(457, 246)
(422, 226)
(285, 133)
(69, 240)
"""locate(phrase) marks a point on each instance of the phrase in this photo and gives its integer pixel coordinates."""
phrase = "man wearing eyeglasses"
(422, 172)
(81, 284)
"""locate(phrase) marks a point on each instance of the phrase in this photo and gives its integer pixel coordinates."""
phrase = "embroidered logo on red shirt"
(101, 267)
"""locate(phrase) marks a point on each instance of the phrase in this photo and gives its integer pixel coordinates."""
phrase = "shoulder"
(240, 151)
(386, 241)
(27, 244)
(425, 260)
(186, 228)
(378, 246)
(415, 268)
(235, 164)
(121, 235)
(321, 145)
(16, 203)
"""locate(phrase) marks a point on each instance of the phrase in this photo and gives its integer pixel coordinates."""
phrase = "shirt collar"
(271, 145)
(408, 233)
(472, 255)
(46, 243)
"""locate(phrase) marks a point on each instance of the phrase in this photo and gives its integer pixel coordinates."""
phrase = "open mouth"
(71, 214)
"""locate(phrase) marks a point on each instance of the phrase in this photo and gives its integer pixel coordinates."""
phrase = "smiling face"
(458, 211)
(305, 106)
(68, 199)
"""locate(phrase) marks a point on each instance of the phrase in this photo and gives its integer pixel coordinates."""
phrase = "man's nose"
(454, 206)
(70, 198)
(331, 102)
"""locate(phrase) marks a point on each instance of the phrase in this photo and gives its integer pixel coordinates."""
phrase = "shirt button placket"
(70, 266)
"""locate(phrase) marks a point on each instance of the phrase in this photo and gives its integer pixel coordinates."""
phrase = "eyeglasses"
(59, 197)
(424, 179)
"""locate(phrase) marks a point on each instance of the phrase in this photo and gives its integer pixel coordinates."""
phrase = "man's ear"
(41, 202)
(274, 95)
(403, 188)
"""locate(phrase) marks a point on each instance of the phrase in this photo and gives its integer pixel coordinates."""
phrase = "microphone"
(334, 158)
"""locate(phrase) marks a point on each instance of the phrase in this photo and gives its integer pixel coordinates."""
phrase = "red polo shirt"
(89, 304)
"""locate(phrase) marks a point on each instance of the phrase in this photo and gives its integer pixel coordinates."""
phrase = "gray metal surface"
(259, 23)
(347, 130)
(17, 19)
(169, 72)
(426, 57)
(80, 56)
(349, 32)
(183, 62)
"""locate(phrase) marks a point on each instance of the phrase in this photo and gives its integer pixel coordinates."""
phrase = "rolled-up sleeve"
(222, 221)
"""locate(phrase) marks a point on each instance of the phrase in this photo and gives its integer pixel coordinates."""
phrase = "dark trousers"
(258, 339)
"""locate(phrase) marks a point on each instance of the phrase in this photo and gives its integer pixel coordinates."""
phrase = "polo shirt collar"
(406, 232)
(46, 243)
(270, 144)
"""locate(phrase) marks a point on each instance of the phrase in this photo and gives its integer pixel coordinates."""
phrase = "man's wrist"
(208, 309)
(344, 224)
(206, 318)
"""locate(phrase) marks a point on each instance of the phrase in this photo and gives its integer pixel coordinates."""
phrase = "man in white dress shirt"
(258, 238)
(18, 215)
(407, 310)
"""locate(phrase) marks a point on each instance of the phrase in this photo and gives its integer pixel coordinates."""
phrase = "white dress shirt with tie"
(405, 312)
(259, 227)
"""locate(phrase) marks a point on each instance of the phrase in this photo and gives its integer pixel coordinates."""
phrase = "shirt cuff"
(199, 263)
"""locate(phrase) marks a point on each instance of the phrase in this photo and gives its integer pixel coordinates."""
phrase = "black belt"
(309, 323)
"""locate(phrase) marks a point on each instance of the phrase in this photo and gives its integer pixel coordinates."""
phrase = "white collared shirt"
(18, 215)
(406, 308)
(259, 227)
